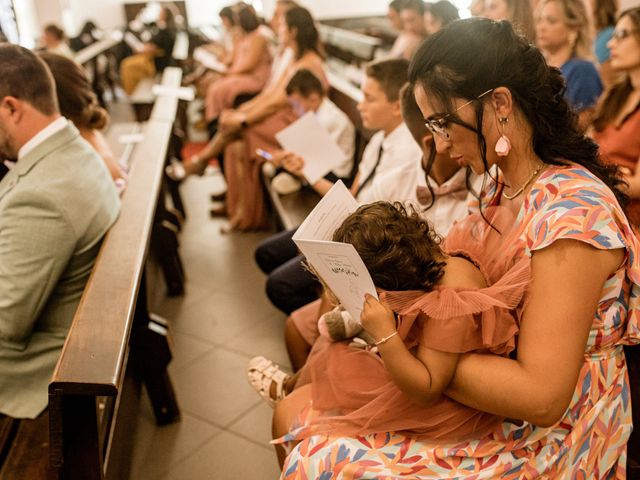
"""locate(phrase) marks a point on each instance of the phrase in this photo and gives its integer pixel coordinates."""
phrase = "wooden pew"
(350, 47)
(113, 344)
(290, 210)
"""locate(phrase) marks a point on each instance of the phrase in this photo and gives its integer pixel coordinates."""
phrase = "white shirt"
(396, 177)
(451, 202)
(340, 128)
(48, 131)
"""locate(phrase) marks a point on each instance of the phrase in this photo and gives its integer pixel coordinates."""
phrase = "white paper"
(127, 138)
(133, 42)
(338, 264)
(183, 93)
(209, 60)
(307, 138)
(336, 205)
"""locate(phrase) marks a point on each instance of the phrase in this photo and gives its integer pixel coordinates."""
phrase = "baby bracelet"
(384, 340)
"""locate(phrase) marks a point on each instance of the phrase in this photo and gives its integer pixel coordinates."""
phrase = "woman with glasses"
(616, 126)
(563, 33)
(565, 392)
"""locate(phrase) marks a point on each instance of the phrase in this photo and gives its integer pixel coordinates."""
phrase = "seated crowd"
(498, 205)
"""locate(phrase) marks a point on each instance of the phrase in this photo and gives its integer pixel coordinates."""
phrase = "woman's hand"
(377, 319)
(231, 121)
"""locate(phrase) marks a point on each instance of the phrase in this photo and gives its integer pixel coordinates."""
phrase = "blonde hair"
(576, 16)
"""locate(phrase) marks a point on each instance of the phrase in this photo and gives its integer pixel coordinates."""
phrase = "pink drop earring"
(503, 145)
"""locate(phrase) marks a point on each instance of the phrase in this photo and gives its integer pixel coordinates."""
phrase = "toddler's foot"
(267, 379)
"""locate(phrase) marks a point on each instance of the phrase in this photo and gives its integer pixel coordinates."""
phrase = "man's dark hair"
(26, 77)
(391, 74)
(304, 82)
(415, 5)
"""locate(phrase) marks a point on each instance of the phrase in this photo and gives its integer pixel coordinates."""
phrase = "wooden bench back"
(94, 357)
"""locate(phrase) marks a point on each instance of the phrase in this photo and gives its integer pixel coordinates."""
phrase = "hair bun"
(96, 118)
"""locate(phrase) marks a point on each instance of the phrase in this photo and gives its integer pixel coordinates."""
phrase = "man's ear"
(396, 110)
(11, 108)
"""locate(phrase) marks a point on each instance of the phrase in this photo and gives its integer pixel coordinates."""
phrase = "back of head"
(391, 74)
(399, 248)
(470, 57)
(247, 19)
(444, 11)
(307, 36)
(26, 77)
(76, 98)
(304, 82)
(577, 18)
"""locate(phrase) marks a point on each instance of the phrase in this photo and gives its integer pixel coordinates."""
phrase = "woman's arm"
(567, 281)
(423, 379)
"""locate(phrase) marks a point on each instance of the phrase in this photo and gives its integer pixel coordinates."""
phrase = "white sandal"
(262, 373)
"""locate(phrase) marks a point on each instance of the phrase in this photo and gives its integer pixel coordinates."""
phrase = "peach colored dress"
(349, 401)
(222, 93)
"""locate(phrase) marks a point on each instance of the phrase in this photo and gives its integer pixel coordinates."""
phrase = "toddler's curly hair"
(400, 249)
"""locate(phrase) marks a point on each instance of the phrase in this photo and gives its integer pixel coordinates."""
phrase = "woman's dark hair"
(227, 12)
(614, 99)
(415, 5)
(604, 13)
(444, 11)
(76, 98)
(307, 36)
(247, 19)
(455, 63)
(400, 249)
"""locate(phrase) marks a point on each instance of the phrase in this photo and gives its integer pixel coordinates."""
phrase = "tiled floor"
(222, 321)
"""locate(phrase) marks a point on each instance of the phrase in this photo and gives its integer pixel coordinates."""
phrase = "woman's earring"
(503, 145)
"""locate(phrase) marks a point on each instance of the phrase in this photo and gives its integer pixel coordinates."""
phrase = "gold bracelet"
(384, 340)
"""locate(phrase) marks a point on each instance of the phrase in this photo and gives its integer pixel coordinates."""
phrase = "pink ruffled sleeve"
(459, 321)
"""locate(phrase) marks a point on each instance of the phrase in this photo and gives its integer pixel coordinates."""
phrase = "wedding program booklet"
(338, 264)
(307, 138)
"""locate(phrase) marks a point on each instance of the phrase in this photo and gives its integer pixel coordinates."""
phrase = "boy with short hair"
(306, 94)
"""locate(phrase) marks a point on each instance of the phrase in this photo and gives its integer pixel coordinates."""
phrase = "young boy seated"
(389, 170)
(305, 94)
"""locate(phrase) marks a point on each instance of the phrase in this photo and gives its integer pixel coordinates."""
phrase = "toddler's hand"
(377, 319)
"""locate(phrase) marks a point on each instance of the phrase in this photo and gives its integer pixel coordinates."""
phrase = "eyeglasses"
(437, 126)
(622, 33)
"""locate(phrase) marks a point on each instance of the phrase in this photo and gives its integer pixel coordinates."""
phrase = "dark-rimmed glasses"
(437, 126)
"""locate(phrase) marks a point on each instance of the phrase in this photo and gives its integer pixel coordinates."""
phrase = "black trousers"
(289, 284)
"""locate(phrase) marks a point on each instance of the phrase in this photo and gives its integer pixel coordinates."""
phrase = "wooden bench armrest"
(93, 356)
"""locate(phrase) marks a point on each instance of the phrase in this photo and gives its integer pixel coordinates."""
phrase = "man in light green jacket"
(56, 204)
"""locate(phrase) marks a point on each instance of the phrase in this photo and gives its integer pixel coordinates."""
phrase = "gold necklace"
(527, 182)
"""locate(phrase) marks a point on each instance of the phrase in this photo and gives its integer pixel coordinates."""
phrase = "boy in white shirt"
(306, 94)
